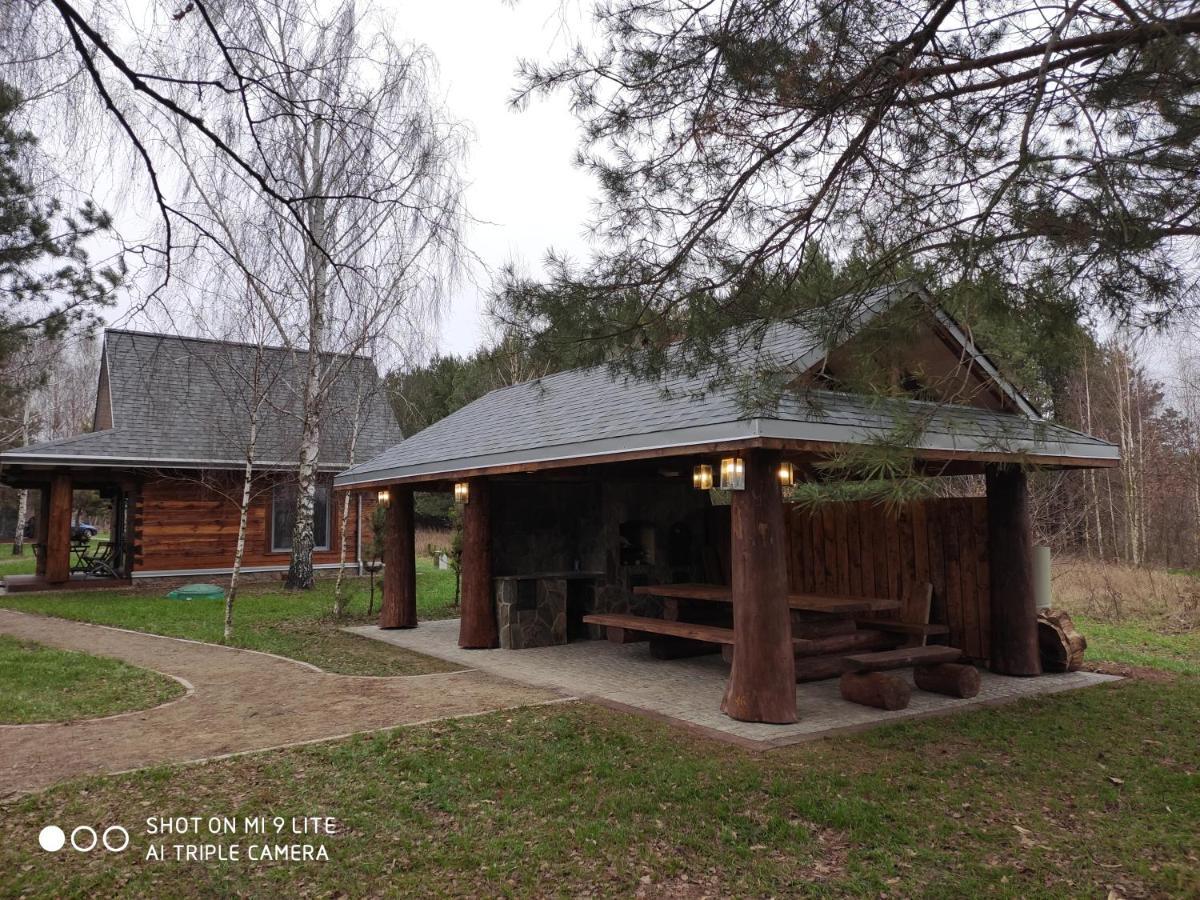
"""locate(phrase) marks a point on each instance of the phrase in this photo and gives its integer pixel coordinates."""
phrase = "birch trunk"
(300, 569)
(339, 601)
(18, 546)
(243, 518)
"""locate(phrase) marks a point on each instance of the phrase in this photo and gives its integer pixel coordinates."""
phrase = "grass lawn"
(25, 564)
(294, 624)
(43, 684)
(1090, 793)
(1135, 644)
(1068, 795)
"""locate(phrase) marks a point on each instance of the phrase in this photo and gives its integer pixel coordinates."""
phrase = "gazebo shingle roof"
(595, 412)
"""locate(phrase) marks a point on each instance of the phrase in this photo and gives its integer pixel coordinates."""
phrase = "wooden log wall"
(860, 548)
(183, 525)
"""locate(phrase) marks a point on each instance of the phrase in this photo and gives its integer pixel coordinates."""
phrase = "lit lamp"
(702, 477)
(384, 497)
(733, 474)
(462, 492)
(787, 474)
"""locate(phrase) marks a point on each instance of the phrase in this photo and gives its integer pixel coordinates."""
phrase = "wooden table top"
(818, 603)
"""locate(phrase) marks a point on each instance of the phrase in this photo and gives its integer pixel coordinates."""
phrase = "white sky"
(524, 190)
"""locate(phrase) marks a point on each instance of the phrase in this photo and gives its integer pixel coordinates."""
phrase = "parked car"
(82, 532)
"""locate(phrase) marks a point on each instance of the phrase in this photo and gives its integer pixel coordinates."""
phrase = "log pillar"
(1014, 642)
(42, 528)
(58, 530)
(762, 679)
(478, 628)
(399, 607)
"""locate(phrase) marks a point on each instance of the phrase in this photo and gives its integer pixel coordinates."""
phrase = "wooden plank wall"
(181, 525)
(861, 548)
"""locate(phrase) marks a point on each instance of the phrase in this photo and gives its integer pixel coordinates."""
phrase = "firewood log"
(1061, 646)
(878, 689)
(951, 679)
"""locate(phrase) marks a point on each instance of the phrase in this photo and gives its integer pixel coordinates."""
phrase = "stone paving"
(237, 701)
(689, 690)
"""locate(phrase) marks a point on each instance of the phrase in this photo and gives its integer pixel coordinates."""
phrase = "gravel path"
(238, 701)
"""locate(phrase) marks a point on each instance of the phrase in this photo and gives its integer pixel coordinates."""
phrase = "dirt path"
(239, 701)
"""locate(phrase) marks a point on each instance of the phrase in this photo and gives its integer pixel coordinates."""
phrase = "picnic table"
(824, 628)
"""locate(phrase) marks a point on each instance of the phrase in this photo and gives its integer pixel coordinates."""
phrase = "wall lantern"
(462, 492)
(787, 474)
(384, 497)
(733, 474)
(702, 479)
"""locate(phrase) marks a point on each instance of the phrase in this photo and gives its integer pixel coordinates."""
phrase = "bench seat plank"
(900, 659)
(712, 634)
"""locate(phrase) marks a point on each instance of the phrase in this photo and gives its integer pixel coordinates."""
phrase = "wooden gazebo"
(586, 478)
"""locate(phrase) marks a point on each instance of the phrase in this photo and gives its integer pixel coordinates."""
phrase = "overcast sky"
(524, 190)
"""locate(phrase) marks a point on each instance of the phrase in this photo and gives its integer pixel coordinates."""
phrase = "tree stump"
(878, 689)
(1060, 645)
(951, 679)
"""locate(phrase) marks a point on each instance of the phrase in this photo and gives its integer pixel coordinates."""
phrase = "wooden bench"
(902, 658)
(624, 629)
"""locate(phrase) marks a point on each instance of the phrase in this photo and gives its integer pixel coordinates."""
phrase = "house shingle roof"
(179, 401)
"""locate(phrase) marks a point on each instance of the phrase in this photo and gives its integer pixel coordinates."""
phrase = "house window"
(283, 517)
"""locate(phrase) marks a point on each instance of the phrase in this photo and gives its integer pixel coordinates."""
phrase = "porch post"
(43, 528)
(58, 530)
(478, 628)
(762, 680)
(1014, 644)
(399, 607)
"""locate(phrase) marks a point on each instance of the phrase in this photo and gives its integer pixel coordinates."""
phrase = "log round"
(1014, 642)
(951, 679)
(878, 689)
(1062, 647)
(478, 628)
(399, 607)
(762, 678)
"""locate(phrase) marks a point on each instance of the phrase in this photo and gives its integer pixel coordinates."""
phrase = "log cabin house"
(588, 509)
(168, 450)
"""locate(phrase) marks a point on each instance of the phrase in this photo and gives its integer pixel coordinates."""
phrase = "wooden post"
(762, 679)
(58, 530)
(478, 628)
(42, 529)
(1014, 646)
(399, 607)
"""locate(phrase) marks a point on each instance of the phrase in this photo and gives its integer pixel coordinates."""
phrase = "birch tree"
(362, 259)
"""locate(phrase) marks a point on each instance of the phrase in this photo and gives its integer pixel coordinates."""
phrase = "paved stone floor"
(689, 690)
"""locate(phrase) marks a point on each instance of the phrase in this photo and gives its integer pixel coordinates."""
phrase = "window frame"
(291, 487)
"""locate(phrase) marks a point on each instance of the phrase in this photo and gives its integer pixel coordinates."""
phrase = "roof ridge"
(219, 341)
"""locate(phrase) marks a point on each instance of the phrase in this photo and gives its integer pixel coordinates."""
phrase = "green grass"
(295, 624)
(1070, 795)
(1076, 794)
(1134, 644)
(43, 684)
(25, 564)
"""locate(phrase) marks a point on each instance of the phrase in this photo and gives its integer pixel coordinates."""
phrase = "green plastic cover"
(197, 592)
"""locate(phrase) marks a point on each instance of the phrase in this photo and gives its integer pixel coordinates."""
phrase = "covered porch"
(769, 595)
(64, 561)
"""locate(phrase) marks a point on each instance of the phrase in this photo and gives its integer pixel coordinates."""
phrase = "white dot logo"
(84, 829)
(52, 838)
(115, 830)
